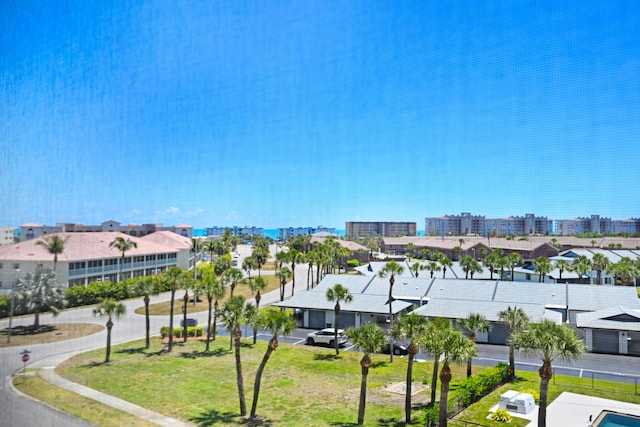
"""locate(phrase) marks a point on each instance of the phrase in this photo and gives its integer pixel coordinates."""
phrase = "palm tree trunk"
(185, 330)
(365, 363)
(36, 313)
(255, 329)
(173, 297)
(445, 379)
(409, 383)
(209, 326)
(147, 321)
(335, 328)
(434, 378)
(108, 355)
(237, 333)
(512, 361)
(214, 326)
(546, 372)
(273, 343)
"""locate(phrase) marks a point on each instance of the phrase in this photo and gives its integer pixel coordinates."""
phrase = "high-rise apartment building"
(466, 223)
(380, 228)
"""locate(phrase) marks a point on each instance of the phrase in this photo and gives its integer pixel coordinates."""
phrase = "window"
(16, 266)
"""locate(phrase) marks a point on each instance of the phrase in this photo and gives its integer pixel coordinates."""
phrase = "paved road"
(17, 410)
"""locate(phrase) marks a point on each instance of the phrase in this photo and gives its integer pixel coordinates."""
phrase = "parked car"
(326, 336)
(398, 349)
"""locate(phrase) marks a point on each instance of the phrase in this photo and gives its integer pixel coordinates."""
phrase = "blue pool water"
(617, 420)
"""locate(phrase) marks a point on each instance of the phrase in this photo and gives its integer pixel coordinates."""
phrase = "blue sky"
(305, 113)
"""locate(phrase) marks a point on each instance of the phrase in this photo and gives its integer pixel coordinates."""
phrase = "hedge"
(192, 331)
(475, 388)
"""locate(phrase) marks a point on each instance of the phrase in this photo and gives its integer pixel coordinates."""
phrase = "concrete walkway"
(48, 373)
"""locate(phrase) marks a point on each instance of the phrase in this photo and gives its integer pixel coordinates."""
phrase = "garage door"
(499, 334)
(347, 320)
(634, 343)
(605, 341)
(316, 319)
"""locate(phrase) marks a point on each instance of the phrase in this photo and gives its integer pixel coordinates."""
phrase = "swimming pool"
(616, 419)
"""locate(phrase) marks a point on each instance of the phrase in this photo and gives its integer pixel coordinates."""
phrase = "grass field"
(301, 385)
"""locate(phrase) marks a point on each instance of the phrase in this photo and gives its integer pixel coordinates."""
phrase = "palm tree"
(456, 348)
(235, 314)
(416, 267)
(467, 264)
(542, 266)
(456, 252)
(491, 262)
(248, 264)
(391, 269)
(232, 276)
(111, 309)
(474, 323)
(146, 287)
(369, 338)
(581, 266)
(122, 245)
(311, 258)
(433, 341)
(549, 341)
(213, 290)
(338, 293)
(517, 320)
(176, 278)
(256, 285)
(278, 323)
(503, 262)
(260, 254)
(562, 266)
(514, 259)
(54, 244)
(295, 257)
(284, 274)
(39, 291)
(600, 263)
(409, 327)
(433, 266)
(445, 263)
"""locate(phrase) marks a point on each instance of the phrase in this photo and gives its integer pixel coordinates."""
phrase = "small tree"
(122, 245)
(278, 323)
(40, 291)
(369, 338)
(474, 323)
(146, 287)
(111, 309)
(54, 244)
(456, 348)
(517, 320)
(338, 293)
(549, 341)
(391, 269)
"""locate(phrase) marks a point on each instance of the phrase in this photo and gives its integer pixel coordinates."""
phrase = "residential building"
(7, 235)
(455, 299)
(285, 233)
(380, 228)
(87, 257)
(235, 230)
(466, 223)
(35, 231)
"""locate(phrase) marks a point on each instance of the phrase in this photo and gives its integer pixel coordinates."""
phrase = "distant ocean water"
(273, 232)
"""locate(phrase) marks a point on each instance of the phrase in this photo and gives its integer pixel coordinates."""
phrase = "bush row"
(476, 387)
(95, 292)
(192, 331)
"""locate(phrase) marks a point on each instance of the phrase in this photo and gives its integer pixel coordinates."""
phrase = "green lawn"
(301, 385)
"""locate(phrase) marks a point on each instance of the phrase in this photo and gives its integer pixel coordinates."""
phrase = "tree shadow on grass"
(326, 357)
(391, 422)
(217, 352)
(132, 350)
(213, 417)
(375, 365)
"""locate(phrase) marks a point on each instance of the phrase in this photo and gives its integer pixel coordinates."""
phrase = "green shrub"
(501, 415)
(192, 331)
(432, 415)
(475, 388)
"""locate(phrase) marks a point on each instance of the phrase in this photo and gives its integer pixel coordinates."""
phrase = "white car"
(326, 336)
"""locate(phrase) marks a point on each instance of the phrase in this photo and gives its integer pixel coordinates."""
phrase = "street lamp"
(13, 297)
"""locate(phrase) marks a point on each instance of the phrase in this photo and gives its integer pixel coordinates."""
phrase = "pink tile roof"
(168, 239)
(81, 246)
